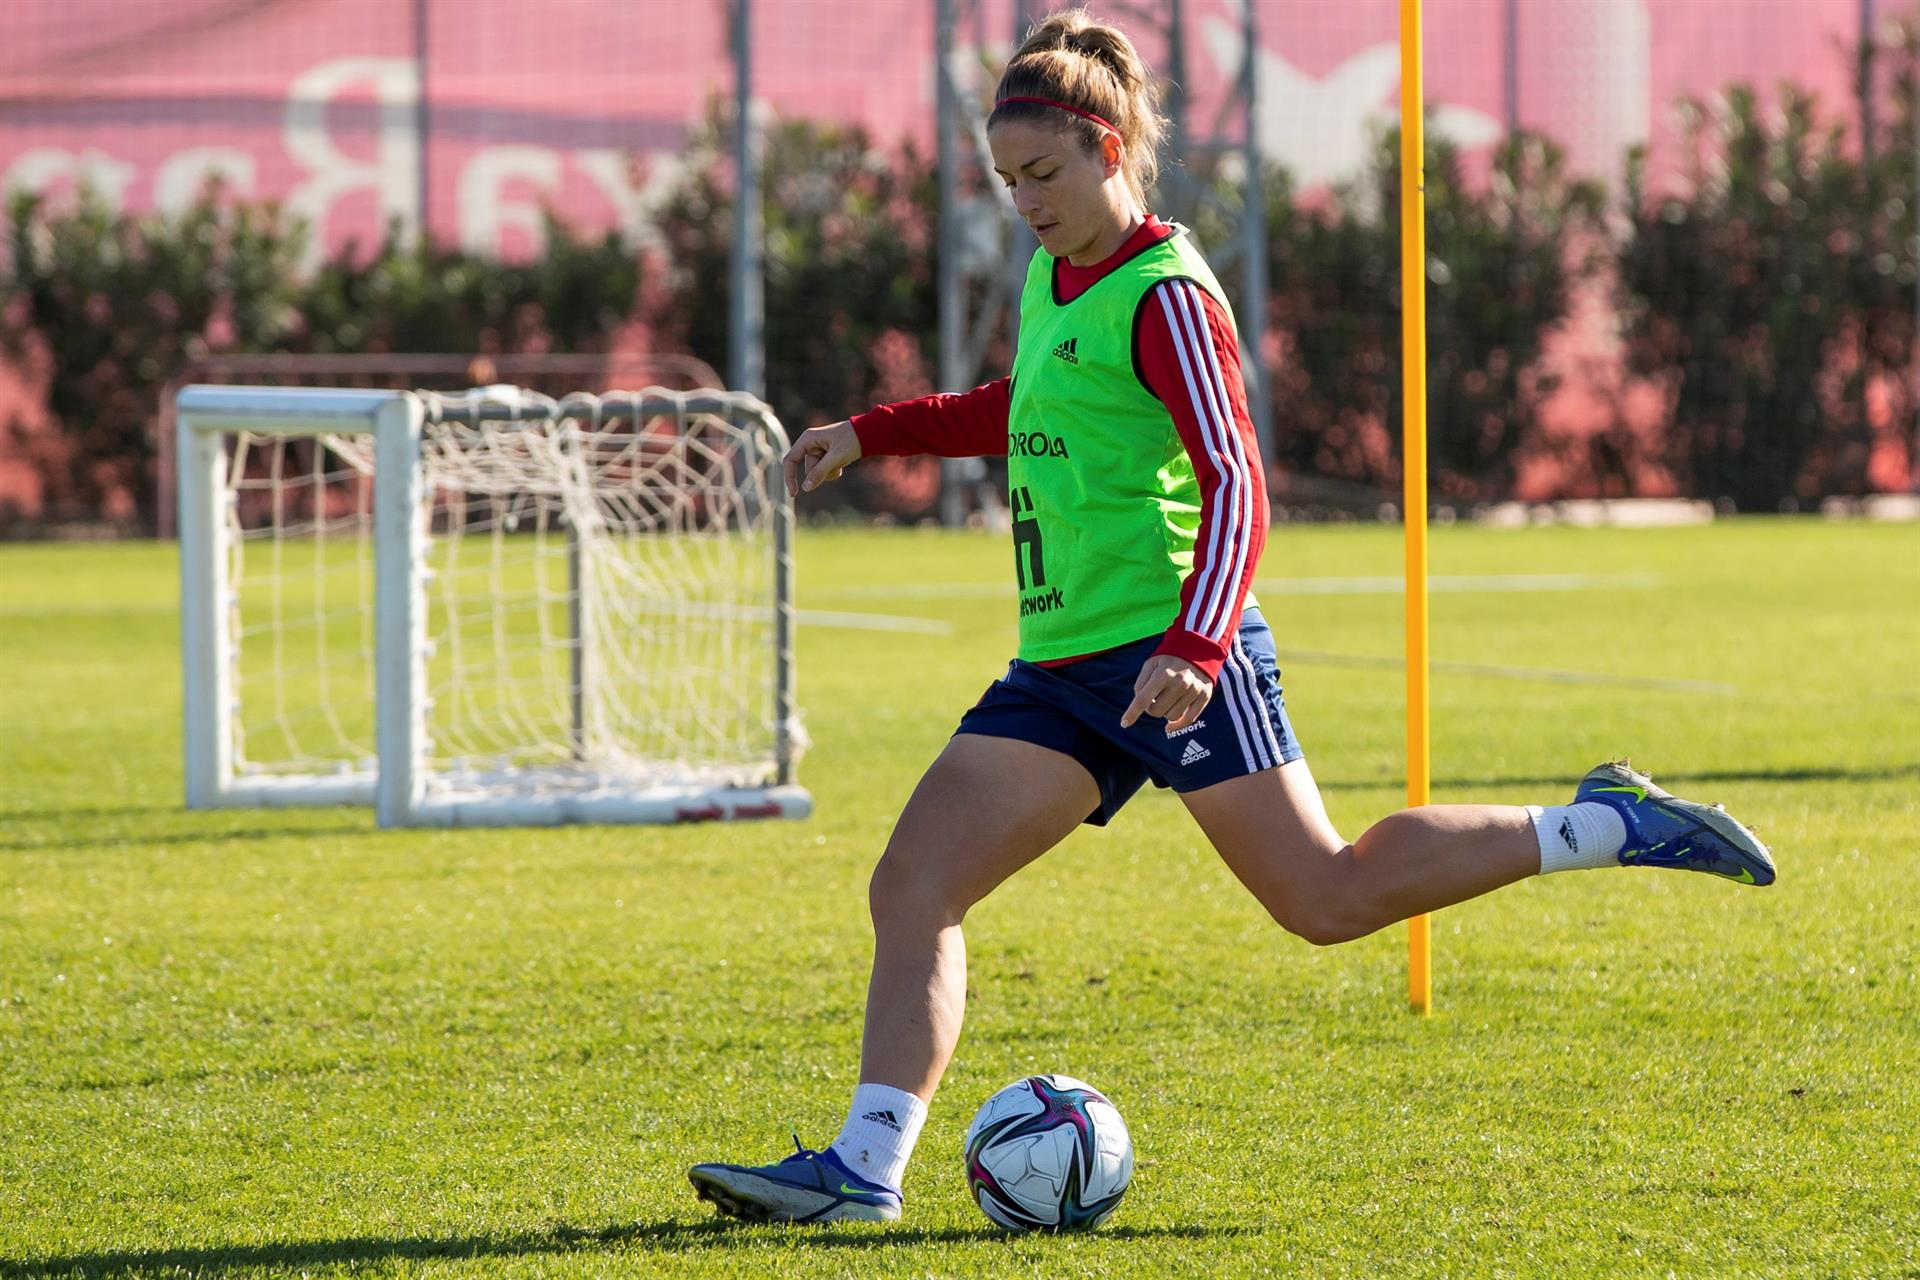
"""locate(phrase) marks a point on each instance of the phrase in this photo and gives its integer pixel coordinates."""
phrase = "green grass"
(289, 1043)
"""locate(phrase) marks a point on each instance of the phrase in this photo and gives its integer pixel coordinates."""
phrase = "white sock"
(881, 1128)
(1576, 837)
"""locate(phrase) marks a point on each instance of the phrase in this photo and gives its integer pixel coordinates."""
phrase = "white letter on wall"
(393, 174)
(612, 172)
(43, 168)
(484, 211)
(183, 175)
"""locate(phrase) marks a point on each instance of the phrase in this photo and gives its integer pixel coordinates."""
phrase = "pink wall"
(532, 101)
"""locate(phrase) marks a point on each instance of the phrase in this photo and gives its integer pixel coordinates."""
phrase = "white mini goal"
(488, 609)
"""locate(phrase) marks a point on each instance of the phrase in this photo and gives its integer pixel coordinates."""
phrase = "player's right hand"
(820, 455)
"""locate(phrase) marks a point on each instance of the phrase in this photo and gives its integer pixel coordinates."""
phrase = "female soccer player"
(1139, 513)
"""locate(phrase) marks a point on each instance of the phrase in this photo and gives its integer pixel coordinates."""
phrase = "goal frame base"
(450, 806)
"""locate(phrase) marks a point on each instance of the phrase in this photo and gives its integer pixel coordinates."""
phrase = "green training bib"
(1103, 497)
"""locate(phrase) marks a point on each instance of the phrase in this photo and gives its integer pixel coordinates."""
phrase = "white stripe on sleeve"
(1241, 475)
(1210, 609)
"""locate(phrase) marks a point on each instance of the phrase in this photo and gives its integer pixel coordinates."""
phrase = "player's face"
(1070, 196)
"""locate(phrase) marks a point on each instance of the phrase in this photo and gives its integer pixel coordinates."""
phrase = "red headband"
(1049, 102)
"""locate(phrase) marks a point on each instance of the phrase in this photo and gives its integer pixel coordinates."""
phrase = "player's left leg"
(1242, 777)
(1271, 828)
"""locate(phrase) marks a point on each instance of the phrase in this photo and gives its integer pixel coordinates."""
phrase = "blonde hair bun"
(1072, 57)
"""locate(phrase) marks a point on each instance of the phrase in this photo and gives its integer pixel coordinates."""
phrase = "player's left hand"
(1172, 688)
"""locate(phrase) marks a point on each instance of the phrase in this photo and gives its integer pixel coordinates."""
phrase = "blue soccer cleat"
(808, 1186)
(1666, 831)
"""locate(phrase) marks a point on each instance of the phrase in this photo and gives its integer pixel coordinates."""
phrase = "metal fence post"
(423, 207)
(1510, 66)
(947, 266)
(746, 296)
(1253, 253)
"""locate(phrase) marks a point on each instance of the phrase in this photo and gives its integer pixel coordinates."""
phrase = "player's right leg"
(987, 807)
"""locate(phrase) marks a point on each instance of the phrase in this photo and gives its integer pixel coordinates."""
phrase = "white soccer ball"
(1048, 1153)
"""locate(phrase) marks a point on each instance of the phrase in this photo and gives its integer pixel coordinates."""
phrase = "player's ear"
(1110, 153)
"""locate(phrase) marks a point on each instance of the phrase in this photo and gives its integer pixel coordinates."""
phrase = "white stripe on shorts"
(1233, 686)
(1264, 716)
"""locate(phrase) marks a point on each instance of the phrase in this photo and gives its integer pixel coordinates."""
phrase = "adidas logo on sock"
(1566, 833)
(886, 1118)
(1194, 752)
(1069, 351)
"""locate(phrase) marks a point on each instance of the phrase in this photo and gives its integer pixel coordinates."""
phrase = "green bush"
(1740, 298)
(851, 313)
(1883, 266)
(1770, 305)
(849, 261)
(431, 297)
(120, 304)
(1503, 259)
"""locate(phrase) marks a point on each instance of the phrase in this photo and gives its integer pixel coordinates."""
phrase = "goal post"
(495, 608)
(222, 431)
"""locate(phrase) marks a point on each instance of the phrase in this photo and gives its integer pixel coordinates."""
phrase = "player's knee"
(889, 887)
(905, 889)
(1320, 925)
(1296, 910)
(1324, 908)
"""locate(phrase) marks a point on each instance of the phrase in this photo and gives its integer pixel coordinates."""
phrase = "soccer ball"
(1048, 1153)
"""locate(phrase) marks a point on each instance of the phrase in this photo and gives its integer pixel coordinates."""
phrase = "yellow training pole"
(1413, 361)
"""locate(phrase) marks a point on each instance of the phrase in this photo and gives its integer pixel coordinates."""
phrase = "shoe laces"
(801, 1152)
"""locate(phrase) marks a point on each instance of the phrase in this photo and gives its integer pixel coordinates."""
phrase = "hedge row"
(1765, 316)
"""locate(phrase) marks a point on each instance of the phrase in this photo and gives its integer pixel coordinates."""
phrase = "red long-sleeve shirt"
(1189, 358)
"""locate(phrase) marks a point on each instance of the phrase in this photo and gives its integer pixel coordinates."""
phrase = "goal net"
(492, 608)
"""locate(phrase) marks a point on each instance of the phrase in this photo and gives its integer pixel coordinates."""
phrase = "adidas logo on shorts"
(1194, 753)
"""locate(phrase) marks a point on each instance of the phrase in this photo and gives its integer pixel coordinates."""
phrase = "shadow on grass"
(69, 813)
(362, 825)
(1680, 778)
(670, 1236)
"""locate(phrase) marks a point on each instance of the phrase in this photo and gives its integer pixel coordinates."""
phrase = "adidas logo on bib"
(1069, 351)
(1194, 753)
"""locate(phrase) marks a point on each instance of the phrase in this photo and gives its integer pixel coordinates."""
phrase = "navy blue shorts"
(1076, 710)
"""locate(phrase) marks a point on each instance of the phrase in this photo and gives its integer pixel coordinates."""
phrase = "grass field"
(289, 1043)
